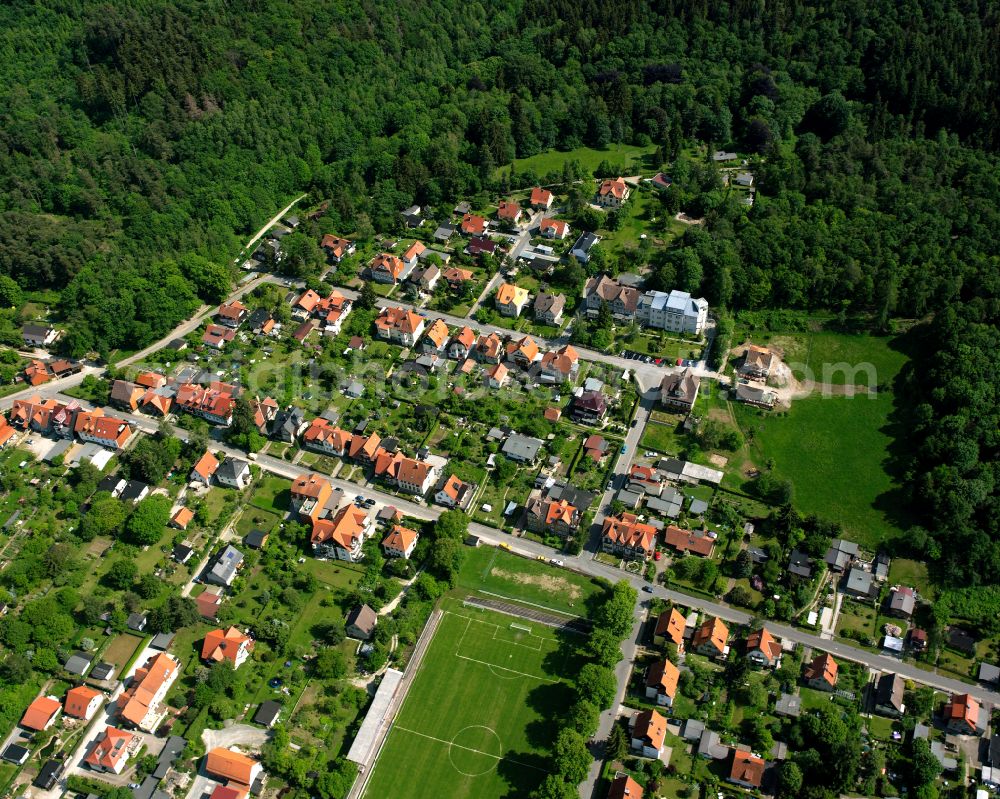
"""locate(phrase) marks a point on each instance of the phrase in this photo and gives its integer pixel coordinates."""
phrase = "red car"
(657, 555)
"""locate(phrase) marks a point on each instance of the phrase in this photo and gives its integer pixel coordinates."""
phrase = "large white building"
(677, 311)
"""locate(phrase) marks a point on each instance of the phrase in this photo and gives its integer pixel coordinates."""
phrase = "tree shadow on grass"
(523, 772)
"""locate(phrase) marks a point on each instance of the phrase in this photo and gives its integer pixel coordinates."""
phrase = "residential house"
(48, 417)
(859, 583)
(552, 516)
(141, 704)
(342, 536)
(889, 696)
(234, 473)
(336, 248)
(288, 424)
(226, 566)
(696, 542)
(408, 474)
(97, 428)
(386, 268)
(214, 403)
(413, 216)
(436, 337)
(626, 536)
(821, 673)
(217, 336)
(554, 229)
(15, 755)
(561, 365)
(480, 245)
(758, 397)
(613, 193)
(510, 299)
(267, 714)
(256, 539)
(648, 730)
(455, 277)
(425, 278)
(589, 407)
(710, 638)
(800, 564)
(455, 493)
(412, 254)
(305, 305)
(721, 156)
(237, 769)
(523, 449)
(670, 626)
(661, 181)
(126, 395)
(204, 469)
(230, 645)
(208, 603)
(646, 479)
(444, 232)
(744, 179)
(677, 312)
(595, 448)
(78, 663)
(232, 314)
(473, 225)
(622, 300)
(323, 436)
(496, 376)
(38, 335)
(400, 542)
(523, 352)
(82, 702)
(509, 211)
(41, 713)
(461, 344)
(763, 650)
(788, 705)
(902, 602)
(36, 373)
(757, 363)
(6, 432)
(583, 245)
(679, 391)
(361, 622)
(548, 307)
(365, 448)
(624, 787)
(661, 682)
(488, 349)
(840, 555)
(963, 716)
(400, 326)
(747, 770)
(540, 198)
(110, 753)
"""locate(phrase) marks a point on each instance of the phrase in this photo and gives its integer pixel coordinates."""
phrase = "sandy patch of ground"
(718, 460)
(549, 583)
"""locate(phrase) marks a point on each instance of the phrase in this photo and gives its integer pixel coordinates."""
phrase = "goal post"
(523, 628)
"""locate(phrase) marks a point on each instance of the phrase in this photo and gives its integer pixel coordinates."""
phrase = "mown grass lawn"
(834, 451)
(903, 571)
(632, 158)
(476, 723)
(661, 438)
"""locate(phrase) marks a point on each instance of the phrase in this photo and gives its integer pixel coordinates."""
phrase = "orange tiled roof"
(763, 640)
(182, 518)
(346, 526)
(414, 250)
(652, 726)
(671, 624)
(400, 538)
(747, 768)
(206, 465)
(78, 700)
(321, 431)
(473, 225)
(106, 428)
(40, 712)
(384, 262)
(231, 765)
(824, 668)
(438, 333)
(526, 348)
(540, 196)
(136, 701)
(223, 645)
(508, 209)
(560, 511)
(454, 274)
(111, 749)
(628, 531)
(663, 675)
(399, 319)
(557, 226)
(616, 188)
(712, 631)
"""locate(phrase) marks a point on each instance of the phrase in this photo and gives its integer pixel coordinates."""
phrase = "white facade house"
(677, 311)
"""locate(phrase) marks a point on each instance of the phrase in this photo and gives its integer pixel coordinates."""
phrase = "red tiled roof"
(747, 768)
(540, 196)
(473, 225)
(40, 712)
(696, 541)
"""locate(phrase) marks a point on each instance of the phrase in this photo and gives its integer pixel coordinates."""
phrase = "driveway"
(243, 736)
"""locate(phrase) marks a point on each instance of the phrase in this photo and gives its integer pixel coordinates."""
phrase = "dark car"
(648, 589)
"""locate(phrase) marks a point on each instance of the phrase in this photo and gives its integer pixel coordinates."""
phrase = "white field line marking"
(496, 627)
(504, 668)
(469, 749)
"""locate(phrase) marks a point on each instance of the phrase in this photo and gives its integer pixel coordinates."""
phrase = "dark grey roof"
(576, 497)
(889, 691)
(522, 447)
(993, 755)
(162, 641)
(267, 712)
(78, 663)
(182, 552)
(859, 581)
(147, 789)
(231, 469)
(15, 754)
(363, 617)
(102, 671)
(133, 489)
(48, 775)
(788, 705)
(586, 241)
(255, 539)
(136, 621)
(693, 728)
(35, 330)
(988, 672)
(171, 751)
(799, 563)
(711, 746)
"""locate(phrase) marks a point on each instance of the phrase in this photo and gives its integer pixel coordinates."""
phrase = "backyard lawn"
(661, 438)
(633, 159)
(834, 451)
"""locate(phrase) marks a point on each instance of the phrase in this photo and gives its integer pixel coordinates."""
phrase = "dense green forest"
(139, 141)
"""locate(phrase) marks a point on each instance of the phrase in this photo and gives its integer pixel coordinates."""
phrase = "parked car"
(624, 449)
(648, 589)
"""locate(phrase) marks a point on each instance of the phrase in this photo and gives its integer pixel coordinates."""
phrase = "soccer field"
(478, 720)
